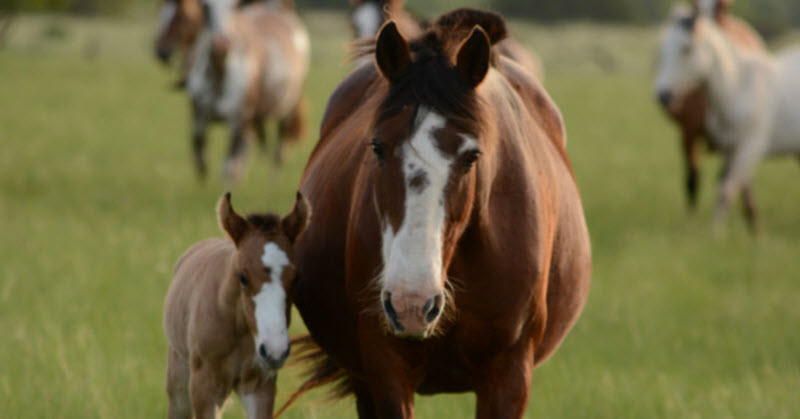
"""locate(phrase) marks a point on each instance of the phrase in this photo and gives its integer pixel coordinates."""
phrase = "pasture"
(98, 199)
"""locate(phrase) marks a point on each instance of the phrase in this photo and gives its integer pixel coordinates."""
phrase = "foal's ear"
(473, 57)
(391, 52)
(297, 220)
(230, 222)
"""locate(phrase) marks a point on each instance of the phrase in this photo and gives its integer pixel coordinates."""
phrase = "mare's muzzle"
(410, 314)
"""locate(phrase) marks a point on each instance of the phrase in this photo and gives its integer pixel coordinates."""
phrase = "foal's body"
(227, 312)
(250, 65)
(514, 248)
(754, 99)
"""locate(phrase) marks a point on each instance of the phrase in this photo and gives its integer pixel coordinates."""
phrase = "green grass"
(97, 201)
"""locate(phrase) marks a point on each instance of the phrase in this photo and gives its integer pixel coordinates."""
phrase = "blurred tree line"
(769, 16)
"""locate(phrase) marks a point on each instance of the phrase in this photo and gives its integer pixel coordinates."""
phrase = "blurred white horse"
(754, 108)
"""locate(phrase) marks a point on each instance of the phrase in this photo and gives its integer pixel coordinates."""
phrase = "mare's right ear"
(230, 222)
(391, 52)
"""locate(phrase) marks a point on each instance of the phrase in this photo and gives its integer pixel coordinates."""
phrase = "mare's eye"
(379, 149)
(471, 158)
(243, 280)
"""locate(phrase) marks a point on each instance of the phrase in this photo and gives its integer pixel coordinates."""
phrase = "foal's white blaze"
(271, 304)
(367, 19)
(168, 10)
(412, 254)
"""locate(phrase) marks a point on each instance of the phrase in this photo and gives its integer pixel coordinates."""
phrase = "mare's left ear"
(473, 57)
(297, 220)
(232, 223)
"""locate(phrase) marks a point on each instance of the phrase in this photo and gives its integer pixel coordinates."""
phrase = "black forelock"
(264, 222)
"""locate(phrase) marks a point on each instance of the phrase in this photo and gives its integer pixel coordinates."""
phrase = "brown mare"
(251, 65)
(691, 114)
(367, 16)
(227, 313)
(450, 251)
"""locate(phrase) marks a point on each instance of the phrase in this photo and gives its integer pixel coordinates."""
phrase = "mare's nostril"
(390, 311)
(432, 308)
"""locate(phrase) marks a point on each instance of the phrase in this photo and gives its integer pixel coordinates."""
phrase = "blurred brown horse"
(367, 16)
(179, 23)
(450, 253)
(691, 114)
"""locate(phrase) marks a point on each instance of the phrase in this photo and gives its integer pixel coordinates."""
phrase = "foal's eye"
(243, 280)
(379, 149)
(471, 158)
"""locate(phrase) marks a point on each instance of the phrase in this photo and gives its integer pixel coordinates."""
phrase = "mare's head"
(683, 62)
(264, 270)
(428, 137)
(179, 22)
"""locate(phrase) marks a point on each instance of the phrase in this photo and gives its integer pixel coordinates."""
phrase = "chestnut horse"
(367, 16)
(251, 64)
(690, 115)
(227, 313)
(451, 252)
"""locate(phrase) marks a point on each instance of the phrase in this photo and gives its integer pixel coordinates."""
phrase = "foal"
(227, 313)
(754, 99)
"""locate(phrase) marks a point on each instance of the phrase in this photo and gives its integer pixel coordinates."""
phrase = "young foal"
(227, 312)
(690, 115)
(250, 64)
(754, 99)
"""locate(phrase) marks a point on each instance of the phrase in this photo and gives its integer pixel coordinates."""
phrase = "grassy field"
(97, 201)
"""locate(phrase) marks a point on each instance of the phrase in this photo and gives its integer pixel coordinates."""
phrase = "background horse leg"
(234, 163)
(180, 405)
(199, 143)
(291, 128)
(261, 133)
(749, 207)
(505, 386)
(692, 171)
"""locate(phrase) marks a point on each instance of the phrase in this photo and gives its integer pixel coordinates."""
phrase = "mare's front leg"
(388, 388)
(504, 386)
(258, 397)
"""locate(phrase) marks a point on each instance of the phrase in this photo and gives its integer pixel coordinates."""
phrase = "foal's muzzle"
(272, 360)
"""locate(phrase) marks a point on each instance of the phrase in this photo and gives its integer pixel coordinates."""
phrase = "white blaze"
(412, 255)
(271, 304)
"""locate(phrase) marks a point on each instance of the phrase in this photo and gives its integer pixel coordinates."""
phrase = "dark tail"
(321, 371)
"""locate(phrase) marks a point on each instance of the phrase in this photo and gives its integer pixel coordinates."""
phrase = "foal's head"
(264, 270)
(683, 62)
(179, 21)
(427, 146)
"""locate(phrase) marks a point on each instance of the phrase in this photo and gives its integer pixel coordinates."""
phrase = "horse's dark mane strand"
(264, 222)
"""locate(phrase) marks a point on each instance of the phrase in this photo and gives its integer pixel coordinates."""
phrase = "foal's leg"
(208, 391)
(180, 405)
(199, 124)
(504, 388)
(258, 397)
(691, 161)
(234, 163)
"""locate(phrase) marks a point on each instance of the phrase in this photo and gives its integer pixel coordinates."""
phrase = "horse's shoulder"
(348, 95)
(538, 102)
